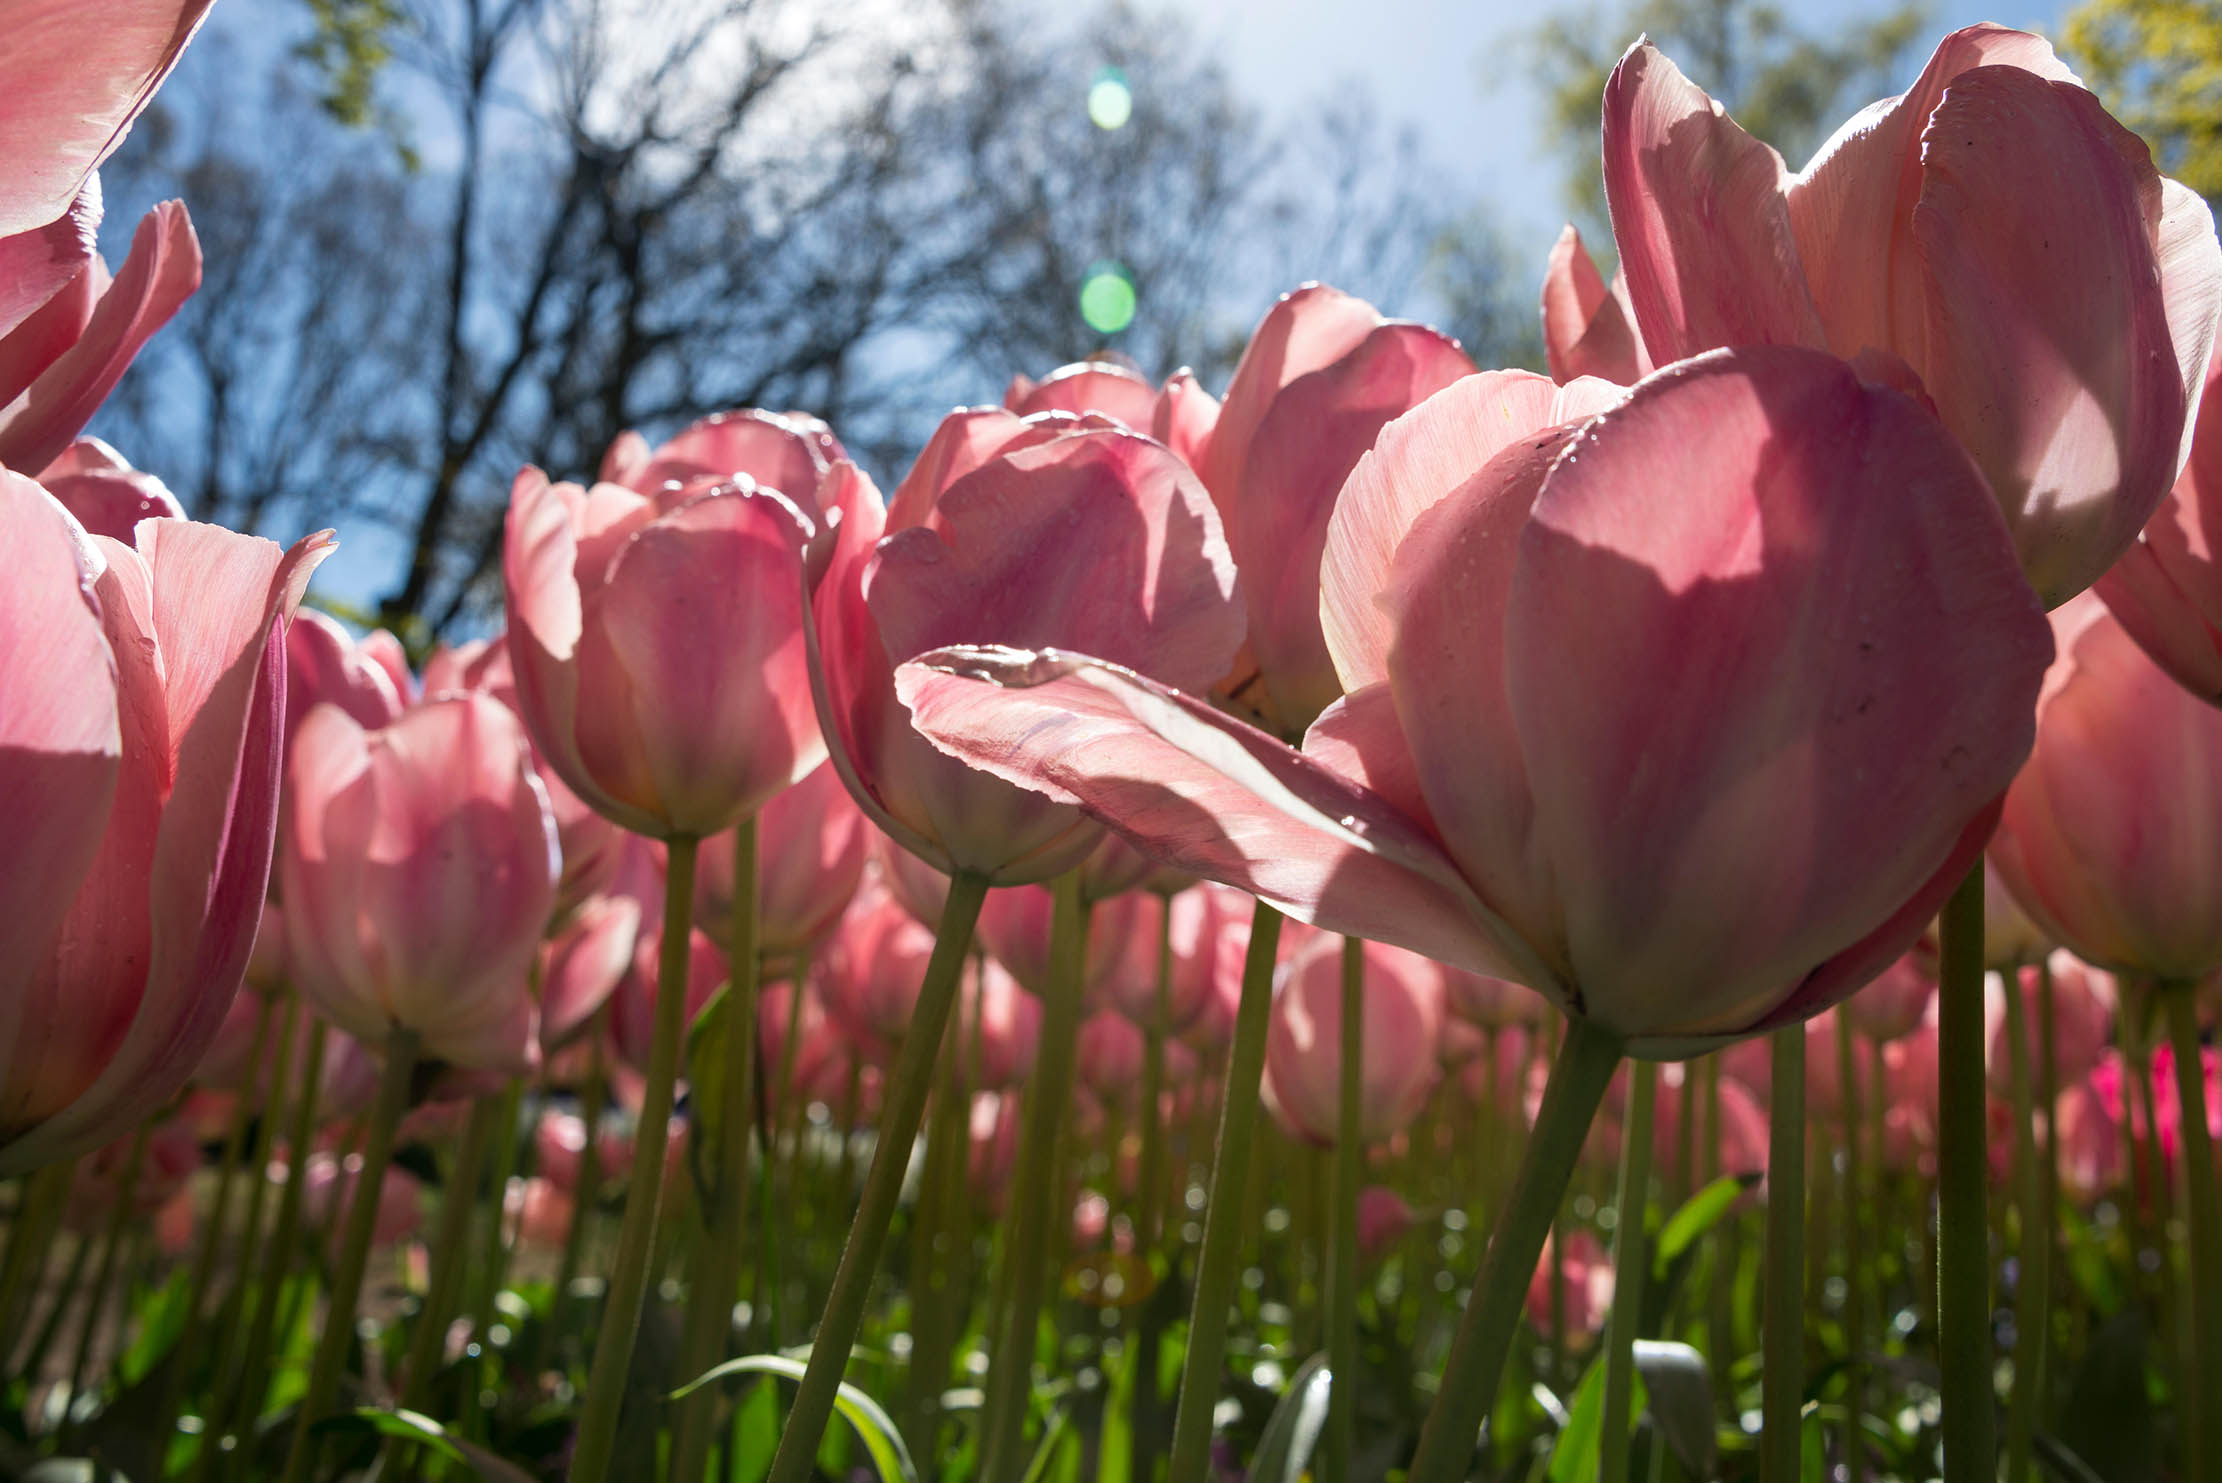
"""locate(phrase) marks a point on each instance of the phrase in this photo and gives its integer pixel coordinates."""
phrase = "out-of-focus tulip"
(1992, 235)
(811, 845)
(826, 1060)
(367, 678)
(419, 866)
(139, 763)
(869, 973)
(1587, 1282)
(1402, 1010)
(328, 1192)
(1007, 1022)
(172, 1153)
(633, 1002)
(107, 495)
(2083, 1007)
(1532, 642)
(1110, 1056)
(1009, 531)
(1896, 1002)
(75, 77)
(994, 1150)
(593, 847)
(2111, 837)
(68, 331)
(539, 1213)
(2092, 1159)
(657, 643)
(1322, 374)
(1014, 928)
(2167, 588)
(1491, 1003)
(1383, 1220)
(580, 967)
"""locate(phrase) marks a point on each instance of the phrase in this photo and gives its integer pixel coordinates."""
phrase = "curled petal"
(1588, 329)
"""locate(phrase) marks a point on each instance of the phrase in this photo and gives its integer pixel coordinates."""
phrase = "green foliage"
(1788, 86)
(353, 40)
(2158, 65)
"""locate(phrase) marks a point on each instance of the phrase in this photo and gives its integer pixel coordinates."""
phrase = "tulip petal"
(2048, 348)
(1588, 329)
(75, 76)
(1185, 417)
(1418, 459)
(2167, 588)
(1699, 212)
(161, 273)
(1104, 387)
(60, 745)
(962, 441)
(1304, 447)
(1852, 206)
(1804, 657)
(1200, 791)
(765, 447)
(37, 264)
(2190, 262)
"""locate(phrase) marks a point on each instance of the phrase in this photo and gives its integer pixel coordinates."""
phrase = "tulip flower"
(1402, 1011)
(68, 331)
(367, 678)
(1180, 414)
(75, 77)
(328, 1189)
(1014, 928)
(1896, 1002)
(2166, 590)
(2089, 1134)
(1110, 1059)
(1491, 1003)
(869, 973)
(1588, 329)
(633, 1002)
(2084, 1007)
(1005, 1023)
(1485, 821)
(1586, 1278)
(658, 648)
(139, 771)
(1322, 374)
(582, 965)
(1992, 237)
(811, 845)
(2111, 837)
(1010, 531)
(788, 453)
(107, 495)
(419, 865)
(1383, 1220)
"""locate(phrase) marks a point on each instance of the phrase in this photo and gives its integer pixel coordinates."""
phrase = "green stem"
(717, 1279)
(2032, 1295)
(2201, 1403)
(104, 1275)
(1970, 1421)
(449, 1257)
(1782, 1381)
(2048, 1168)
(1587, 1057)
(585, 1197)
(248, 1375)
(65, 1293)
(1149, 1204)
(347, 1277)
(1631, 1264)
(628, 1285)
(903, 1108)
(1851, 1124)
(29, 1236)
(1036, 1189)
(941, 1224)
(1223, 1226)
(1342, 1285)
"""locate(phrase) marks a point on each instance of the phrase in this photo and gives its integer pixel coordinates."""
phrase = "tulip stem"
(1035, 1193)
(29, 1236)
(2032, 1298)
(449, 1245)
(362, 1225)
(1342, 1284)
(1631, 1264)
(1851, 1123)
(2201, 1404)
(1149, 1203)
(901, 1112)
(1223, 1222)
(1782, 1380)
(119, 1217)
(636, 1242)
(1970, 1420)
(585, 1196)
(709, 1326)
(1587, 1057)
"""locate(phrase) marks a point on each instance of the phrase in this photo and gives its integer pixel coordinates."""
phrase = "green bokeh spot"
(1107, 299)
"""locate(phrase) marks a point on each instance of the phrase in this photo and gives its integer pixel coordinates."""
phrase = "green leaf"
(1698, 1214)
(1581, 1442)
(1680, 1385)
(161, 1321)
(1053, 1434)
(415, 1426)
(872, 1425)
(1293, 1430)
(1813, 1450)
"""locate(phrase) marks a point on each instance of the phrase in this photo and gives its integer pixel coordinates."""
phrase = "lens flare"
(1110, 101)
(1107, 298)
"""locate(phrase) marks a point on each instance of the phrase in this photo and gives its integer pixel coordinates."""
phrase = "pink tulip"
(266, 964)
(633, 1002)
(539, 1213)
(2111, 837)
(1402, 1008)
(366, 678)
(1110, 1056)
(1588, 329)
(1813, 685)
(139, 759)
(1004, 1022)
(1180, 414)
(994, 1152)
(329, 1192)
(169, 1159)
(1014, 928)
(419, 868)
(1586, 1281)
(2093, 1161)
(68, 331)
(869, 973)
(1383, 1220)
(1322, 374)
(1491, 1003)
(593, 847)
(1897, 1002)
(2167, 589)
(2083, 1008)
(1009, 531)
(825, 1059)
(559, 1140)
(75, 77)
(811, 844)
(1992, 237)
(580, 966)
(658, 646)
(786, 452)
(107, 495)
